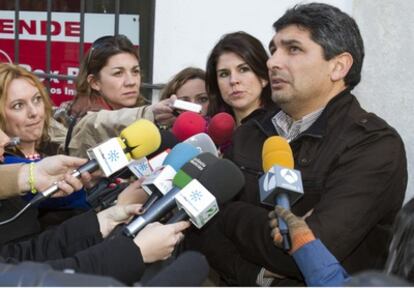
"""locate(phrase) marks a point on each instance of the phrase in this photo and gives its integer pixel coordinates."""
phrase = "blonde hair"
(9, 72)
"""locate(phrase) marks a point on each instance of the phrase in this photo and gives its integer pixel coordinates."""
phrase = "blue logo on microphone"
(196, 195)
(143, 166)
(113, 156)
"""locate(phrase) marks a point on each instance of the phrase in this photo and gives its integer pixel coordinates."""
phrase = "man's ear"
(341, 65)
(93, 82)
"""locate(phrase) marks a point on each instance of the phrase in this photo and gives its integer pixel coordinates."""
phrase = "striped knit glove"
(299, 231)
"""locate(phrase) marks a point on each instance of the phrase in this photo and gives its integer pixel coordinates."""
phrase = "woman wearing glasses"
(109, 77)
(109, 80)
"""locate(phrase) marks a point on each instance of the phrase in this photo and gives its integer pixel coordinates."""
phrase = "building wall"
(387, 83)
(186, 31)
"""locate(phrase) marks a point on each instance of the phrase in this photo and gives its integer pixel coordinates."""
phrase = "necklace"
(34, 156)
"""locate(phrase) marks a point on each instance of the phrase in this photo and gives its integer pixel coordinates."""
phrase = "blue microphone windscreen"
(180, 154)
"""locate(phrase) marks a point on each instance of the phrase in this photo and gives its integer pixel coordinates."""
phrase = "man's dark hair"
(335, 31)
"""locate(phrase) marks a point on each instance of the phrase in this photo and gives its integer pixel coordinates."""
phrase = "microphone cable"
(17, 215)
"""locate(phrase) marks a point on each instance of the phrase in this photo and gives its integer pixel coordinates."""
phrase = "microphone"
(146, 165)
(135, 141)
(190, 269)
(168, 141)
(160, 182)
(188, 124)
(194, 169)
(281, 184)
(225, 180)
(203, 143)
(221, 128)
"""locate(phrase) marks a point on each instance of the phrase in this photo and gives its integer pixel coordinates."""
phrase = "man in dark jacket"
(353, 163)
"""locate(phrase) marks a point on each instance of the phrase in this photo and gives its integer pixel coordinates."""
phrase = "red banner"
(63, 61)
(65, 31)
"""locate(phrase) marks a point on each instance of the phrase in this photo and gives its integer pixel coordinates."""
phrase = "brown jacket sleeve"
(97, 127)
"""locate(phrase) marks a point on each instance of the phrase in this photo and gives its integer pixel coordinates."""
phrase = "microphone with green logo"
(198, 200)
(197, 168)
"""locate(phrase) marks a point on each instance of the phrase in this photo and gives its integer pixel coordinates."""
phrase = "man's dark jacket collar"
(318, 129)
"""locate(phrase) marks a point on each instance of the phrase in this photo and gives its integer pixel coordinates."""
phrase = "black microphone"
(194, 169)
(190, 269)
(224, 183)
(168, 141)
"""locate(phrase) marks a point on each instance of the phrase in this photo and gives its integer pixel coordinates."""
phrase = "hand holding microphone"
(157, 241)
(109, 218)
(50, 170)
(137, 140)
(281, 184)
(133, 193)
(300, 233)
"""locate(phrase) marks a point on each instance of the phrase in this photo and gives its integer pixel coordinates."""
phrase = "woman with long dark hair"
(237, 77)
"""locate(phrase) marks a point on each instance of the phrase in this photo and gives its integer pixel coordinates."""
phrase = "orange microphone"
(281, 184)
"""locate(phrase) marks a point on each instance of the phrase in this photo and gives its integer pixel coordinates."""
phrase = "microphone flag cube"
(277, 180)
(110, 156)
(199, 204)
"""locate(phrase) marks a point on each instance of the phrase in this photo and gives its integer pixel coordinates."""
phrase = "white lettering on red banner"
(65, 35)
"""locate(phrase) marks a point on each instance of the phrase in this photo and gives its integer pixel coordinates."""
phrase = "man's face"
(299, 74)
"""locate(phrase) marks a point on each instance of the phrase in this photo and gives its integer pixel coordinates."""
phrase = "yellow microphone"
(281, 184)
(136, 141)
(277, 151)
(141, 138)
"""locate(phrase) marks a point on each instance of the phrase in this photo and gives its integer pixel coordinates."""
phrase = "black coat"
(77, 244)
(354, 172)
